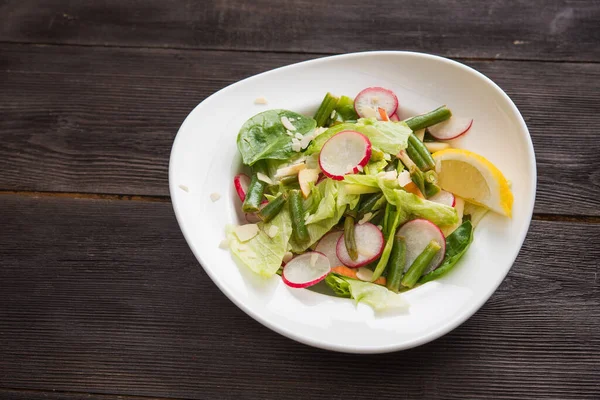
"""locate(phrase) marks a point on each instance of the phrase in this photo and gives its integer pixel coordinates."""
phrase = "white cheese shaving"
(360, 168)
(246, 232)
(387, 157)
(298, 136)
(319, 130)
(224, 244)
(289, 133)
(366, 252)
(264, 178)
(332, 116)
(184, 188)
(380, 227)
(273, 231)
(364, 274)
(290, 170)
(215, 196)
(287, 124)
(287, 257)
(366, 218)
(369, 112)
(260, 100)
(404, 178)
(297, 147)
(390, 175)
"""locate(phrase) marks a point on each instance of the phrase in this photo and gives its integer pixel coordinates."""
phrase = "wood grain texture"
(105, 297)
(21, 394)
(102, 120)
(554, 30)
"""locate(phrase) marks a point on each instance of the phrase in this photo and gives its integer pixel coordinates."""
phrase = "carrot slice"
(351, 273)
(414, 189)
(383, 114)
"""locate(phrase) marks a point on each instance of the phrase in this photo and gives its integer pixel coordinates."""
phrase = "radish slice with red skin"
(417, 234)
(306, 270)
(394, 118)
(241, 183)
(369, 243)
(443, 197)
(370, 99)
(328, 246)
(450, 129)
(344, 153)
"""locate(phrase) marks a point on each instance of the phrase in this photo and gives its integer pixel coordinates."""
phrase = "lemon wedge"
(473, 178)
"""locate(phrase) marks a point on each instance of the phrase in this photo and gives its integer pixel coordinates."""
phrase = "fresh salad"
(355, 197)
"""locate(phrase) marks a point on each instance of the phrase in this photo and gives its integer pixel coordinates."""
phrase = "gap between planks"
(314, 53)
(167, 199)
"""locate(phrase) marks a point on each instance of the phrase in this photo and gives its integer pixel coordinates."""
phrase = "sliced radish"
(369, 243)
(418, 233)
(443, 197)
(306, 270)
(394, 118)
(370, 99)
(344, 153)
(450, 129)
(328, 246)
(305, 178)
(241, 183)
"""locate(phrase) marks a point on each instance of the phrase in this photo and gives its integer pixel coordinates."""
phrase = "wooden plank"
(557, 30)
(105, 297)
(19, 394)
(102, 120)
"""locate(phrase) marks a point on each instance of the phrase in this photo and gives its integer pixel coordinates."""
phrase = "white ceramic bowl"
(204, 159)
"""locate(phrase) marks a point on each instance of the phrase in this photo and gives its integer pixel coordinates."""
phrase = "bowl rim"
(436, 332)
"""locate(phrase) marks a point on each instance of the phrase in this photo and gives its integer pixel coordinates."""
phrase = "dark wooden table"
(100, 297)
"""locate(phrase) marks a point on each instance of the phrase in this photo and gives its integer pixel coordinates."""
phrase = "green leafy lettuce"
(457, 244)
(263, 254)
(389, 137)
(376, 296)
(264, 136)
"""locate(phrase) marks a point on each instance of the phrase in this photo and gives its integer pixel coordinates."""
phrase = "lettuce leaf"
(264, 137)
(316, 230)
(389, 137)
(263, 254)
(415, 207)
(376, 296)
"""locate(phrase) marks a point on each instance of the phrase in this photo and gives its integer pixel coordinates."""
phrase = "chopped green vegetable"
(256, 189)
(297, 214)
(396, 263)
(345, 109)
(327, 107)
(349, 239)
(273, 208)
(457, 244)
(422, 121)
(419, 154)
(389, 230)
(420, 264)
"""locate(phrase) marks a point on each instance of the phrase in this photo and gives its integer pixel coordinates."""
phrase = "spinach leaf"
(456, 246)
(264, 136)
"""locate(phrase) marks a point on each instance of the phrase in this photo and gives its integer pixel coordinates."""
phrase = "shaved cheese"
(273, 231)
(184, 188)
(297, 147)
(364, 274)
(260, 100)
(360, 168)
(264, 178)
(287, 124)
(369, 112)
(246, 232)
(390, 175)
(380, 227)
(404, 178)
(224, 244)
(289, 133)
(290, 170)
(319, 130)
(298, 136)
(215, 196)
(332, 116)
